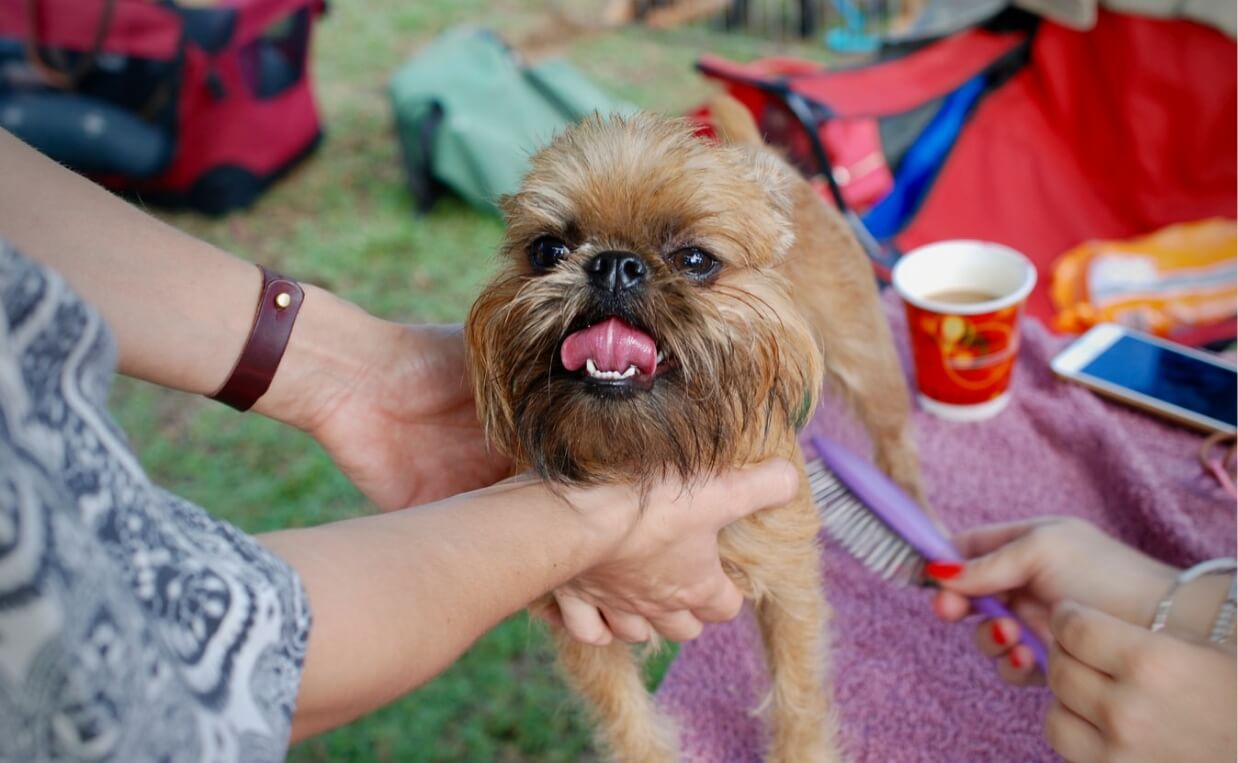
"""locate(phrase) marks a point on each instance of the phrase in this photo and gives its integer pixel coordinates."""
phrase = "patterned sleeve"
(133, 626)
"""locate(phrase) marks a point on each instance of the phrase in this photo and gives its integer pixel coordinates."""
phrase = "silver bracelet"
(1223, 628)
(1210, 567)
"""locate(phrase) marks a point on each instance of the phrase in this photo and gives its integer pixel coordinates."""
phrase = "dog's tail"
(732, 121)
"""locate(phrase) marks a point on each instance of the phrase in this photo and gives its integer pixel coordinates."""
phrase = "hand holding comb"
(885, 529)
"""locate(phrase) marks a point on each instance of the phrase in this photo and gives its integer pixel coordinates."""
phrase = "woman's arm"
(397, 597)
(180, 308)
(390, 403)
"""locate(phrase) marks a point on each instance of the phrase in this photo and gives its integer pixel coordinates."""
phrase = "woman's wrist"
(333, 345)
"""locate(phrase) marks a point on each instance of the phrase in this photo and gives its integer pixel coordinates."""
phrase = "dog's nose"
(616, 271)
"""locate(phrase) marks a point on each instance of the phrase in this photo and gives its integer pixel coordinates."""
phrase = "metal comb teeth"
(861, 532)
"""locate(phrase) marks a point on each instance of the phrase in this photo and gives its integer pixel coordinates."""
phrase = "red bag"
(1105, 134)
(201, 107)
(852, 130)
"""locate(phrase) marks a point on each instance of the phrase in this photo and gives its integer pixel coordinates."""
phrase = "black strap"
(882, 255)
(418, 155)
(58, 73)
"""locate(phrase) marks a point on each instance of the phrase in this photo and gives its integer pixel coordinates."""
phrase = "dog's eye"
(546, 252)
(694, 263)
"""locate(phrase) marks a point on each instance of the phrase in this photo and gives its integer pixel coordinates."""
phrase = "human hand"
(664, 574)
(403, 426)
(1123, 693)
(1033, 566)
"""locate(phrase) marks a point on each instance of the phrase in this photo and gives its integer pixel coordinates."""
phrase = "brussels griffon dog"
(671, 305)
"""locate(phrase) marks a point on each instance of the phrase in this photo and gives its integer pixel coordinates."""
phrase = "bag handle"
(883, 256)
(58, 73)
(417, 153)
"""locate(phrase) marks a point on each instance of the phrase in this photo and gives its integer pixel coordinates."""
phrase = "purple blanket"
(908, 687)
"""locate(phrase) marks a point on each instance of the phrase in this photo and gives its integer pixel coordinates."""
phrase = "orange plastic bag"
(1177, 279)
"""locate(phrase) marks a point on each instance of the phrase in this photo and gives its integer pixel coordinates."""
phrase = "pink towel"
(908, 687)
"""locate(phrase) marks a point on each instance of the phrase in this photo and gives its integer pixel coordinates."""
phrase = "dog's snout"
(616, 271)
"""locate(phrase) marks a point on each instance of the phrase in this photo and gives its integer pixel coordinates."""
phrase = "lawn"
(343, 220)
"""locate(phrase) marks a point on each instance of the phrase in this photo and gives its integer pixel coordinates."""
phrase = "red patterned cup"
(964, 300)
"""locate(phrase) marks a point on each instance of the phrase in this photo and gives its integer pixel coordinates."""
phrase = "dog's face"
(639, 323)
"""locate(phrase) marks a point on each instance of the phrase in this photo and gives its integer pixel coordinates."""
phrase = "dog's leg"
(774, 557)
(832, 283)
(861, 363)
(793, 617)
(609, 679)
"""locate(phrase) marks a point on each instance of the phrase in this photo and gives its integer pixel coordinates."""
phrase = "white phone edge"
(1070, 361)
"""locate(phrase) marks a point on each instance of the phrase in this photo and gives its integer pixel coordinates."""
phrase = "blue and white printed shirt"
(133, 626)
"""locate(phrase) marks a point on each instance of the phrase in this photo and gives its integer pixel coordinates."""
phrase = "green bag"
(468, 115)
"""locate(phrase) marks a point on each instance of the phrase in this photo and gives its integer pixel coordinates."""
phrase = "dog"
(667, 305)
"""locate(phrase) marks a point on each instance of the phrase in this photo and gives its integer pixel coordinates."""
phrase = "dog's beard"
(720, 387)
(736, 363)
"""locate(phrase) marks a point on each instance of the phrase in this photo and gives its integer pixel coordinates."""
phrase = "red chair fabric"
(1109, 133)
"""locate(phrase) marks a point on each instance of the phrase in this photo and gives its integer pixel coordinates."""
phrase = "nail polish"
(943, 570)
(999, 636)
(1015, 660)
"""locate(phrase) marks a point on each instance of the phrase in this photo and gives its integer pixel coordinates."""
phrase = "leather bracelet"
(278, 305)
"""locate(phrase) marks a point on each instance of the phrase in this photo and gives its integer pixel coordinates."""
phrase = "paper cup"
(964, 300)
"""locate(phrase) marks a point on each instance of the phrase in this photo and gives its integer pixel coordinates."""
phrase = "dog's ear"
(776, 181)
(734, 125)
(732, 122)
(773, 175)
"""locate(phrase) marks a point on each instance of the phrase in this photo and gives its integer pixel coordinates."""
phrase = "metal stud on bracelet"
(278, 305)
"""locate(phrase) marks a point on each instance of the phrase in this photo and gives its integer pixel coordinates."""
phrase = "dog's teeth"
(661, 357)
(593, 371)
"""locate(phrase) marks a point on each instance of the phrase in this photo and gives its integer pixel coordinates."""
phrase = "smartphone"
(1180, 383)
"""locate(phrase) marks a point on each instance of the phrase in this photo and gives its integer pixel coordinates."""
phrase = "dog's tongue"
(613, 345)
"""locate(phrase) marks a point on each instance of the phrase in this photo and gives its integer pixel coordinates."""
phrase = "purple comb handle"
(905, 517)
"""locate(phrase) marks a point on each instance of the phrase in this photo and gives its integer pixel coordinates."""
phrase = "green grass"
(343, 220)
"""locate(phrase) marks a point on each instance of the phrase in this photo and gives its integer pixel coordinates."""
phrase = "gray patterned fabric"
(133, 626)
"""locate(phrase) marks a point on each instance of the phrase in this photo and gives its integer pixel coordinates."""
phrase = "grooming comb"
(885, 529)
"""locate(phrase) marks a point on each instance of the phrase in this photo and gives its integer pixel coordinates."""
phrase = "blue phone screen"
(1170, 376)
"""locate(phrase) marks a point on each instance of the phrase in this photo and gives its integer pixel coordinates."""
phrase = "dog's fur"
(793, 304)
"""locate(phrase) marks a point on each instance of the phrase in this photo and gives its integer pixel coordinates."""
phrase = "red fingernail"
(1015, 660)
(999, 637)
(943, 570)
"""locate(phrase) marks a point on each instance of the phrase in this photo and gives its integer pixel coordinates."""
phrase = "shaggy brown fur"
(747, 349)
